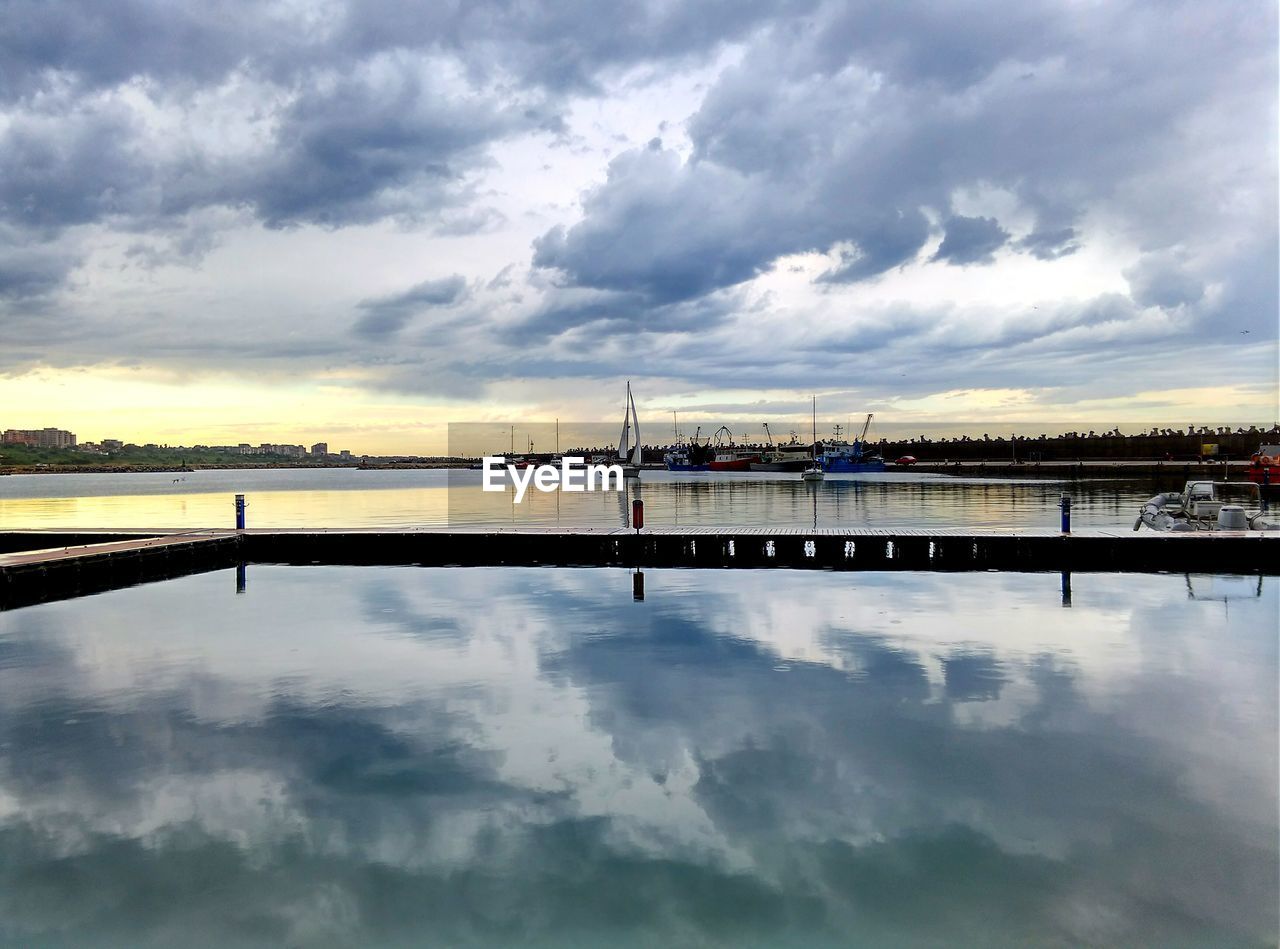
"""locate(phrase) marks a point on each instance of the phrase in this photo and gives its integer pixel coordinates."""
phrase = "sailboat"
(814, 471)
(629, 450)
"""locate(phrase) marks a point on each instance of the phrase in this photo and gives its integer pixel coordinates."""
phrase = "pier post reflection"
(637, 586)
(242, 576)
(1066, 589)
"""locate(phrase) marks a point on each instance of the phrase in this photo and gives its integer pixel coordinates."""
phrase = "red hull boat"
(734, 459)
(1264, 469)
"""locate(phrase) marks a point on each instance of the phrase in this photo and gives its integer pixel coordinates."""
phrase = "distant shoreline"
(52, 468)
(1083, 469)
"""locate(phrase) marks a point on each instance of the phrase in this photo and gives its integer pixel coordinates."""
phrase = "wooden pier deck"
(40, 565)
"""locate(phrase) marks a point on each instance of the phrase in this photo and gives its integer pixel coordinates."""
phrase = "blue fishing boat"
(851, 457)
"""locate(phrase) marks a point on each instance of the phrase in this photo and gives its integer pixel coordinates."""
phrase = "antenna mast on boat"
(815, 431)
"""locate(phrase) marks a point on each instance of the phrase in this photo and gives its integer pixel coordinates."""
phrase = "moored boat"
(1264, 469)
(814, 471)
(851, 457)
(693, 457)
(734, 459)
(727, 456)
(789, 457)
(792, 456)
(1207, 506)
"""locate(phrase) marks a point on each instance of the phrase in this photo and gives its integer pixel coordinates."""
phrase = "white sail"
(624, 440)
(635, 427)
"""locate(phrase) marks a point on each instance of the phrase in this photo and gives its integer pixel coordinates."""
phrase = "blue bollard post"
(1065, 503)
(240, 505)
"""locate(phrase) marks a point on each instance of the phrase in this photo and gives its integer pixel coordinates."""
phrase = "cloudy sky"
(286, 221)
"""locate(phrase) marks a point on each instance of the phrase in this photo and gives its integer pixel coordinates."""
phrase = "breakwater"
(1156, 471)
(1087, 446)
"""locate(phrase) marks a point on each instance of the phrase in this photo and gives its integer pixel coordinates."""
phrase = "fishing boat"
(693, 456)
(814, 471)
(845, 457)
(793, 456)
(629, 450)
(1207, 506)
(730, 457)
(1264, 469)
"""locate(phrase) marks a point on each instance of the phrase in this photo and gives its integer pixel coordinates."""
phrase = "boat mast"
(637, 453)
(624, 440)
(815, 431)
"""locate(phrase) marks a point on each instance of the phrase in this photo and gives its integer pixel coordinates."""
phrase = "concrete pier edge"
(48, 570)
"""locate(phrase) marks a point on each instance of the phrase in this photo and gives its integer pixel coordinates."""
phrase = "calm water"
(408, 498)
(400, 756)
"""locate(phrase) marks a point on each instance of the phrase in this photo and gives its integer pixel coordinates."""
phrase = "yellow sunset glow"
(214, 410)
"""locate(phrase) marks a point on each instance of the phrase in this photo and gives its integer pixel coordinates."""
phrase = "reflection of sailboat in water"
(629, 492)
(629, 451)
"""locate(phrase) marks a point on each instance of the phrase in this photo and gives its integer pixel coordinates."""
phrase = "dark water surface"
(406, 757)
(418, 498)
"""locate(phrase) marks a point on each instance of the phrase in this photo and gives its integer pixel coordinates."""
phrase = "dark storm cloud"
(971, 240)
(594, 314)
(832, 134)
(1050, 243)
(881, 242)
(347, 153)
(388, 315)
(554, 45)
(859, 130)
(347, 113)
(1163, 280)
(564, 45)
(662, 230)
(29, 272)
(71, 163)
(391, 138)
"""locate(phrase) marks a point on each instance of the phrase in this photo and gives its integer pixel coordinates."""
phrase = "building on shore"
(286, 451)
(39, 438)
(319, 449)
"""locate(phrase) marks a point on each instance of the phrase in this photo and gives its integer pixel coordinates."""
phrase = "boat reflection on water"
(418, 498)
(497, 756)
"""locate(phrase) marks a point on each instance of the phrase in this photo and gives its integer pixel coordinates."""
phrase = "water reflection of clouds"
(350, 748)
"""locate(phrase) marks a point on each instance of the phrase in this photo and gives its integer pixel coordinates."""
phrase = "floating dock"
(47, 570)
